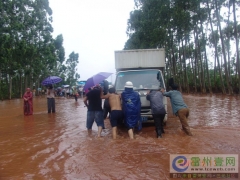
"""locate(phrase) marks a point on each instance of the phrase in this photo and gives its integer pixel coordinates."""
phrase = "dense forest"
(200, 37)
(28, 52)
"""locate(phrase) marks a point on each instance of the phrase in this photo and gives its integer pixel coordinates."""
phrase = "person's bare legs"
(130, 133)
(114, 132)
(89, 132)
(99, 131)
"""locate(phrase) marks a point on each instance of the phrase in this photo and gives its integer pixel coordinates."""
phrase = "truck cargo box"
(140, 58)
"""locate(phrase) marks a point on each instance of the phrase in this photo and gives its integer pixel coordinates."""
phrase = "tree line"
(200, 37)
(28, 51)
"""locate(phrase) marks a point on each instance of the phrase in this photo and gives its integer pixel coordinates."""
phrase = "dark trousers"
(105, 112)
(158, 121)
(106, 108)
(76, 98)
(51, 105)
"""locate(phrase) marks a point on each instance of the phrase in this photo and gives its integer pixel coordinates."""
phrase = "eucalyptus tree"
(26, 42)
(228, 34)
(217, 8)
(147, 24)
(148, 27)
(192, 66)
(4, 38)
(60, 51)
(58, 68)
(213, 39)
(202, 14)
(40, 38)
(182, 23)
(182, 28)
(236, 36)
(162, 23)
(71, 64)
(11, 17)
(41, 59)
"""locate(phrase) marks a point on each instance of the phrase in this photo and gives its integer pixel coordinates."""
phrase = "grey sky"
(94, 29)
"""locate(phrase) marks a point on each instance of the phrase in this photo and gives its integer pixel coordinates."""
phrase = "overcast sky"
(94, 29)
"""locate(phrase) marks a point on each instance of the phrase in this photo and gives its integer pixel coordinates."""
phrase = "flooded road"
(56, 146)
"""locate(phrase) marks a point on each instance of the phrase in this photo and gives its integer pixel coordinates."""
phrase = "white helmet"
(129, 84)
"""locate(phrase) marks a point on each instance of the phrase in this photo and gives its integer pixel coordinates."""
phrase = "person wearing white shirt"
(51, 99)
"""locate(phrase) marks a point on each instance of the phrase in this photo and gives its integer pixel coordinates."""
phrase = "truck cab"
(144, 69)
(143, 81)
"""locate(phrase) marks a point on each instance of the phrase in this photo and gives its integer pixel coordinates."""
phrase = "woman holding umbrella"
(28, 102)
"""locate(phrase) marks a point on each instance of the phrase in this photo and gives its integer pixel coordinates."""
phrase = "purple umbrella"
(51, 80)
(96, 79)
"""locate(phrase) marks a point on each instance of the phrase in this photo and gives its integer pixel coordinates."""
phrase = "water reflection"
(29, 125)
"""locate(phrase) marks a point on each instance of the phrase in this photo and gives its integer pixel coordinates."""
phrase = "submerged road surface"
(56, 146)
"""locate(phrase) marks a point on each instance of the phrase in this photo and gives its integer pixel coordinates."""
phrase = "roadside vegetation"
(200, 37)
(28, 52)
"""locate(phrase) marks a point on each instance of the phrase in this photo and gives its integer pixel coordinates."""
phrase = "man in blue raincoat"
(131, 108)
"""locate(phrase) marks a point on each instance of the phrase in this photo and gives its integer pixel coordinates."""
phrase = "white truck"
(143, 67)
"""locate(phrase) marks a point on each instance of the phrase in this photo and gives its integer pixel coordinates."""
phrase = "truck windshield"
(141, 79)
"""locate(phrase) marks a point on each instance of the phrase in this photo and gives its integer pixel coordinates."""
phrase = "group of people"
(28, 101)
(127, 106)
(93, 102)
(179, 108)
(68, 92)
(51, 93)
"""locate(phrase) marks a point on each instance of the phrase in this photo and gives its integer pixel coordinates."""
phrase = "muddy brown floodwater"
(56, 146)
